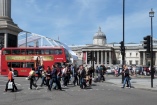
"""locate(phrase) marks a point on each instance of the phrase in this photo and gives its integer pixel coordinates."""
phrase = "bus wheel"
(15, 73)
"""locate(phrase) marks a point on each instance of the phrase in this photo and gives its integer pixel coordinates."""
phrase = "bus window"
(67, 55)
(52, 51)
(29, 51)
(42, 51)
(47, 52)
(37, 51)
(16, 64)
(16, 51)
(6, 52)
(58, 51)
(23, 64)
(9, 64)
(59, 64)
(29, 64)
(23, 52)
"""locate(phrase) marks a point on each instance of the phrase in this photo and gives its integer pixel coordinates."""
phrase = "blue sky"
(76, 21)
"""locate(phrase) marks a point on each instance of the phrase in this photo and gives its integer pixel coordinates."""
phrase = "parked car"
(110, 70)
(138, 70)
(146, 70)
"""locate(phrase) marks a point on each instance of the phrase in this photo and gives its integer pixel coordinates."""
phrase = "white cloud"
(80, 19)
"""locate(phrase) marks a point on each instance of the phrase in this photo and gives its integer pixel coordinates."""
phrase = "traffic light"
(146, 43)
(89, 56)
(122, 48)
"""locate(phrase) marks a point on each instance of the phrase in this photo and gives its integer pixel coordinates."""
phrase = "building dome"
(99, 38)
(99, 35)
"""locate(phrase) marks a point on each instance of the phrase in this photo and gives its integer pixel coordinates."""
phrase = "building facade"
(109, 54)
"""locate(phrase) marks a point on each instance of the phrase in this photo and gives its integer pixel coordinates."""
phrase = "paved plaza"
(106, 93)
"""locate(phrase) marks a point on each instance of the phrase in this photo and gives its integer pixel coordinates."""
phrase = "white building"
(109, 54)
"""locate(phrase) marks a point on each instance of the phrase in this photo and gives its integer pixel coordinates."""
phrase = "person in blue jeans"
(126, 77)
(54, 79)
(82, 77)
(43, 78)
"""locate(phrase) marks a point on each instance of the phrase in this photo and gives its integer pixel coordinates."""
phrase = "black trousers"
(75, 80)
(32, 83)
(48, 84)
(65, 80)
(14, 86)
(90, 81)
(59, 83)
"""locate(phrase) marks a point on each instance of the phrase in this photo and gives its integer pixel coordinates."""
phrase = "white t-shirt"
(63, 71)
(134, 68)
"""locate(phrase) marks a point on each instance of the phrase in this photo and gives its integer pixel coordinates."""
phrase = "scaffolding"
(28, 39)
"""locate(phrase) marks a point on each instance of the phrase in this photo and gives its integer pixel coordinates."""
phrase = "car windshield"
(138, 68)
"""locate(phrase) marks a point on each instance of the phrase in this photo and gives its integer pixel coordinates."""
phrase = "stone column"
(105, 58)
(144, 58)
(97, 57)
(139, 58)
(5, 8)
(156, 58)
(90, 60)
(110, 59)
(5, 40)
(101, 57)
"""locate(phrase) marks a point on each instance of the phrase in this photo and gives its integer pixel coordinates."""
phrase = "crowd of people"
(52, 76)
(56, 77)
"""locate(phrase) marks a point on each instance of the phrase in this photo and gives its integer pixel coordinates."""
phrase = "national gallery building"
(110, 54)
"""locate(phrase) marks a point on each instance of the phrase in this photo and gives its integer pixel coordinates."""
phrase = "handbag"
(10, 85)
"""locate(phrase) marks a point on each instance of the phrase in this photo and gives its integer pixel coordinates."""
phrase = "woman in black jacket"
(126, 77)
(82, 77)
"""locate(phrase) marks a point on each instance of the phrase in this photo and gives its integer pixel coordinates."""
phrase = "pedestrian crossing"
(101, 86)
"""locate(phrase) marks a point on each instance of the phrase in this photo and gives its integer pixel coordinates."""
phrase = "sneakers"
(36, 88)
(29, 88)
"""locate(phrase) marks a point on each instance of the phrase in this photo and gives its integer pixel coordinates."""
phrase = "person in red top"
(11, 79)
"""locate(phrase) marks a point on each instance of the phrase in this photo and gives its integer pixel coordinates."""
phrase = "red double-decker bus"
(23, 59)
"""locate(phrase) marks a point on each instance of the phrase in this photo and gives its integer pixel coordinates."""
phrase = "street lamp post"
(151, 15)
(123, 54)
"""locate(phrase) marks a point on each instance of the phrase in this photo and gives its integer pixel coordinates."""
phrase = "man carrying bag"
(10, 84)
(32, 79)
